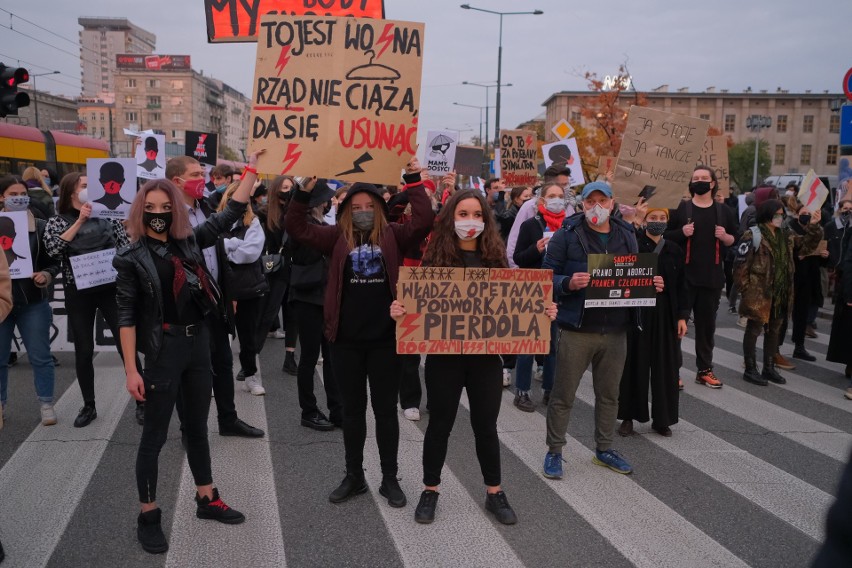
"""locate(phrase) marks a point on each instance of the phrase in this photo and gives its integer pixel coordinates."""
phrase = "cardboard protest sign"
(658, 154)
(518, 149)
(813, 192)
(112, 186)
(93, 269)
(441, 148)
(336, 97)
(606, 164)
(619, 280)
(714, 155)
(203, 146)
(474, 310)
(15, 241)
(469, 160)
(565, 154)
(151, 156)
(237, 20)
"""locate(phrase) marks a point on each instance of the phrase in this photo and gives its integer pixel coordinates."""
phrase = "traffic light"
(10, 99)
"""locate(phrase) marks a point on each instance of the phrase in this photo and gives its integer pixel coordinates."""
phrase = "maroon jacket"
(329, 241)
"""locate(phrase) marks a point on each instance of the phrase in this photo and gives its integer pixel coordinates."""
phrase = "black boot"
(216, 510)
(770, 374)
(353, 484)
(291, 367)
(150, 532)
(799, 352)
(751, 375)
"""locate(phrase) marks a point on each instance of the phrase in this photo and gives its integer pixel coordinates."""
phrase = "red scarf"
(553, 220)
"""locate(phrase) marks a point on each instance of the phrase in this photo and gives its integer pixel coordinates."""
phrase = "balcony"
(215, 100)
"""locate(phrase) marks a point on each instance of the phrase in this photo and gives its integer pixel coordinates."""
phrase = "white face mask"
(83, 195)
(555, 204)
(778, 221)
(469, 230)
(16, 203)
(597, 215)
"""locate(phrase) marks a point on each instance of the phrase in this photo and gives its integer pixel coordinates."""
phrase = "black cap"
(320, 194)
(360, 187)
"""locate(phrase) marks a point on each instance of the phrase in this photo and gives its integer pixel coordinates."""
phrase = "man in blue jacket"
(596, 336)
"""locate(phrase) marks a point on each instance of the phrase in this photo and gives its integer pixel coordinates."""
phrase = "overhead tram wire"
(72, 42)
(31, 64)
(77, 55)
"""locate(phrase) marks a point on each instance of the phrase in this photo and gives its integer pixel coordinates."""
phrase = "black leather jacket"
(138, 290)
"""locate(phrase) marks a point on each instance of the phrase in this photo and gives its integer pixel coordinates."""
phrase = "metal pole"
(756, 150)
(487, 135)
(111, 150)
(499, 80)
(480, 126)
(35, 101)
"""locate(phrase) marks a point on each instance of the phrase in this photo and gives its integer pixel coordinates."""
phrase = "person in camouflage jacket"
(763, 269)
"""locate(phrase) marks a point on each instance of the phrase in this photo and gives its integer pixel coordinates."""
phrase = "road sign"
(562, 129)
(847, 84)
(846, 125)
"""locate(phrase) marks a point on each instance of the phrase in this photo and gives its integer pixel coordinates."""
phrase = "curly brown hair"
(444, 250)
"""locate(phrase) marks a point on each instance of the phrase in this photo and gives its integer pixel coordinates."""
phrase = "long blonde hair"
(248, 216)
(380, 223)
(33, 173)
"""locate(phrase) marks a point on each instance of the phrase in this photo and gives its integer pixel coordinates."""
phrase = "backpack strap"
(659, 246)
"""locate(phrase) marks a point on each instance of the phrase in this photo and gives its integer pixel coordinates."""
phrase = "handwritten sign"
(93, 269)
(619, 280)
(474, 310)
(237, 20)
(151, 156)
(657, 156)
(606, 164)
(112, 186)
(203, 146)
(813, 192)
(15, 241)
(336, 97)
(714, 155)
(518, 149)
(441, 146)
(469, 160)
(564, 154)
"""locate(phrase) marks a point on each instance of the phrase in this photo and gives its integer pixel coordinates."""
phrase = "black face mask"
(656, 228)
(158, 222)
(804, 220)
(284, 195)
(699, 187)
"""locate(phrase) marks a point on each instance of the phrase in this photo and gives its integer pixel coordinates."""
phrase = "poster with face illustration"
(112, 186)
(15, 241)
(564, 154)
(151, 156)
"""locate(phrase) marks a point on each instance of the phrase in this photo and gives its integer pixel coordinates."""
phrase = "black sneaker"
(13, 359)
(140, 414)
(241, 375)
(216, 509)
(240, 428)
(498, 505)
(85, 416)
(801, 353)
(318, 422)
(149, 531)
(291, 367)
(353, 484)
(391, 490)
(425, 511)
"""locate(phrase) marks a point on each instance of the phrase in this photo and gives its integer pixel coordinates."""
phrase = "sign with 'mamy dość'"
(336, 97)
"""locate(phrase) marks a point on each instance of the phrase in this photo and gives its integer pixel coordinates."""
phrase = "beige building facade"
(101, 39)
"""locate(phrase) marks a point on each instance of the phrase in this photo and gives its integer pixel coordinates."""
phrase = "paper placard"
(518, 150)
(812, 193)
(657, 156)
(469, 160)
(151, 156)
(606, 164)
(15, 241)
(339, 102)
(565, 154)
(714, 155)
(93, 269)
(474, 311)
(619, 280)
(441, 148)
(203, 146)
(112, 186)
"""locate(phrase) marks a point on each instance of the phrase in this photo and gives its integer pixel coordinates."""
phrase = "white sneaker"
(848, 393)
(539, 373)
(507, 377)
(277, 334)
(48, 415)
(254, 386)
(742, 322)
(412, 414)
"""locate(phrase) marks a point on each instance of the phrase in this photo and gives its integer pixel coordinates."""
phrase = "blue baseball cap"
(603, 187)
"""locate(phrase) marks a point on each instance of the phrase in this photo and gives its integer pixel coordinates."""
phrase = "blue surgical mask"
(221, 188)
(47, 181)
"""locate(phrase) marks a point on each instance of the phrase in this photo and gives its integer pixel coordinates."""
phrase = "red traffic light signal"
(10, 99)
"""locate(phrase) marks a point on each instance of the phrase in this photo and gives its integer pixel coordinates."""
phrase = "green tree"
(229, 154)
(741, 163)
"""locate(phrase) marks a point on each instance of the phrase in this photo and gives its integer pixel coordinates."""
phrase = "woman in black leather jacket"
(164, 292)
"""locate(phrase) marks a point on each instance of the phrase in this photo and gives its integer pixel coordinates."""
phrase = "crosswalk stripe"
(56, 463)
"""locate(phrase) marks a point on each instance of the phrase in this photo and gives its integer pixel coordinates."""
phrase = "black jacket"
(24, 290)
(527, 254)
(138, 291)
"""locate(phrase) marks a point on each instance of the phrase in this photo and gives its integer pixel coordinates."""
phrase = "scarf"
(179, 288)
(553, 220)
(781, 277)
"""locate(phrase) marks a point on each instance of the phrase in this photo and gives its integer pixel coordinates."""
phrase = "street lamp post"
(499, 59)
(35, 95)
(756, 123)
(481, 108)
(487, 88)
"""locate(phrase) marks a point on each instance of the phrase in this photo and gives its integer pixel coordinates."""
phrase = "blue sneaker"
(612, 460)
(553, 465)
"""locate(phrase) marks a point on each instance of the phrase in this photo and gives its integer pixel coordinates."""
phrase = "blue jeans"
(33, 321)
(523, 368)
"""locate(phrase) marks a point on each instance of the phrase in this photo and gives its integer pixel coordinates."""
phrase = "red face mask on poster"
(194, 187)
(112, 187)
(6, 242)
(151, 155)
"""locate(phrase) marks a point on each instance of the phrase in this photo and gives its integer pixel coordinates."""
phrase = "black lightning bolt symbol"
(356, 165)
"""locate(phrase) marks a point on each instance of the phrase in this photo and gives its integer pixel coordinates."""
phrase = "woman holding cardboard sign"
(365, 253)
(465, 235)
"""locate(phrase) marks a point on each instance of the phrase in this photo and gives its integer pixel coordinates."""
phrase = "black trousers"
(82, 307)
(356, 366)
(704, 303)
(410, 391)
(222, 362)
(182, 365)
(802, 300)
(245, 321)
(276, 300)
(770, 340)
(310, 321)
(446, 376)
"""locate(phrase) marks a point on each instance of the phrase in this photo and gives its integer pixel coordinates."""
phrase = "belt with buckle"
(181, 330)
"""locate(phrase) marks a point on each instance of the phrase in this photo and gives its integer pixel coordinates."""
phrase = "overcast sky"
(729, 44)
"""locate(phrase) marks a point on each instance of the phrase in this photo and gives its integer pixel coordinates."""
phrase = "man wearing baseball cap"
(596, 336)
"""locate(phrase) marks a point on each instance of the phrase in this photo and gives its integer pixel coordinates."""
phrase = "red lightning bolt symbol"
(813, 189)
(291, 157)
(407, 325)
(385, 39)
(529, 140)
(283, 58)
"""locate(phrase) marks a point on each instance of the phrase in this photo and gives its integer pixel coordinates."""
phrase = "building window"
(575, 117)
(806, 155)
(177, 85)
(780, 150)
(177, 117)
(155, 83)
(103, 132)
(128, 99)
(94, 131)
(95, 116)
(834, 124)
(781, 123)
(808, 123)
(730, 122)
(154, 102)
(131, 83)
(102, 117)
(831, 155)
(704, 117)
(130, 116)
(154, 117)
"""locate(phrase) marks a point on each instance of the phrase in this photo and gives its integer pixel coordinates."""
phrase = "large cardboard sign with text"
(657, 156)
(714, 155)
(474, 311)
(518, 157)
(336, 97)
